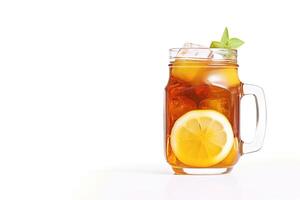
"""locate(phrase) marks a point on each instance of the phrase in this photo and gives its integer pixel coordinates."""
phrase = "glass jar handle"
(261, 118)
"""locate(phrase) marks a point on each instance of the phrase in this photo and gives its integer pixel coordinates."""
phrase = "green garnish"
(226, 42)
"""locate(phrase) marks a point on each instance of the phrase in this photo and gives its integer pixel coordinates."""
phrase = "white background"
(81, 92)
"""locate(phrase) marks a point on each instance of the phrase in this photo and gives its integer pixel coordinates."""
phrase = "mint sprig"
(226, 42)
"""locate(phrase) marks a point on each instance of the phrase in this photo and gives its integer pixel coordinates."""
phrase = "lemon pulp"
(201, 138)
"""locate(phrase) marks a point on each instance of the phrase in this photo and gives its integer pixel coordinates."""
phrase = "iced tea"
(202, 85)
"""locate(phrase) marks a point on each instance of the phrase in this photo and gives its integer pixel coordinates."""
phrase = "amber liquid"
(203, 85)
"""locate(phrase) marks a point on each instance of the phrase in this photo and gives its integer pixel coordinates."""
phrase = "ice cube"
(189, 50)
(192, 45)
(180, 99)
(179, 105)
(215, 98)
(221, 105)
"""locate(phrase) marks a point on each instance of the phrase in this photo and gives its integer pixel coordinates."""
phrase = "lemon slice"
(201, 138)
(191, 75)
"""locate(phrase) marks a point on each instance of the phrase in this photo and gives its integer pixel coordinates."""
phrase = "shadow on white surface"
(264, 180)
(157, 184)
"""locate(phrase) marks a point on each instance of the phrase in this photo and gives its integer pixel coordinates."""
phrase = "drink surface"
(203, 87)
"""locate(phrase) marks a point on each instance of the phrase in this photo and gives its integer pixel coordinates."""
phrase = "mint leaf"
(234, 43)
(225, 36)
(226, 42)
(216, 44)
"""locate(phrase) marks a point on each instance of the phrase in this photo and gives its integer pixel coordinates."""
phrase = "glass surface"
(204, 88)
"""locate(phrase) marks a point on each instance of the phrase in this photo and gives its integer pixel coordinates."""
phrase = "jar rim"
(202, 53)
